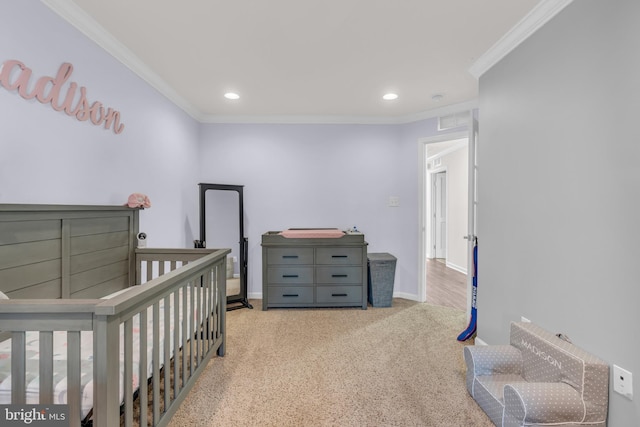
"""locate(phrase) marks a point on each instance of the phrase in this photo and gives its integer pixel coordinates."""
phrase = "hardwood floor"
(445, 286)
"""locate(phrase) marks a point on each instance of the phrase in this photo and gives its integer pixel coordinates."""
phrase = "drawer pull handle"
(339, 256)
(290, 295)
(339, 275)
(290, 256)
(338, 295)
(290, 275)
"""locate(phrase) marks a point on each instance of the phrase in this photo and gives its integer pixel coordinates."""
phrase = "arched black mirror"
(222, 226)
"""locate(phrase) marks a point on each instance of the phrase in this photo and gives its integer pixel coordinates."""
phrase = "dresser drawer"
(338, 294)
(283, 256)
(338, 274)
(290, 294)
(283, 275)
(339, 256)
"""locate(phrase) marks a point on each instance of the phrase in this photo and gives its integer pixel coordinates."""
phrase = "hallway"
(445, 286)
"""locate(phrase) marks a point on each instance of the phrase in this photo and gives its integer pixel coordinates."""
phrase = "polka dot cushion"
(539, 379)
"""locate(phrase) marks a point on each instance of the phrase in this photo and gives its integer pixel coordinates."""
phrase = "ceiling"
(304, 58)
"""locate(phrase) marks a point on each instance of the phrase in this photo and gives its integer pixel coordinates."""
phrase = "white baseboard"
(411, 297)
(404, 295)
(452, 266)
(479, 341)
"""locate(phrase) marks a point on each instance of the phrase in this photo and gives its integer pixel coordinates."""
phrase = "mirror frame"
(239, 300)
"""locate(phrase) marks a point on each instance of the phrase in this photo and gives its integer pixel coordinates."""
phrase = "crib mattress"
(86, 355)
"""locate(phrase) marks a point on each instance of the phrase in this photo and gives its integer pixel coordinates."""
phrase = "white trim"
(532, 22)
(254, 295)
(479, 341)
(457, 268)
(422, 193)
(404, 295)
(364, 120)
(455, 147)
(430, 223)
(83, 22)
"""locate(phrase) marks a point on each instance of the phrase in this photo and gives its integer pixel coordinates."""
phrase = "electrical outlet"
(623, 382)
(524, 319)
(394, 201)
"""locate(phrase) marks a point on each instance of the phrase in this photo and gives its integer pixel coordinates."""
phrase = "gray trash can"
(382, 271)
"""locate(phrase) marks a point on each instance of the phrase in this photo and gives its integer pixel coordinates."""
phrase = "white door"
(440, 214)
(472, 207)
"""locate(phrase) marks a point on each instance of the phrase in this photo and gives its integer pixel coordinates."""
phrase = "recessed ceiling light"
(390, 96)
(231, 95)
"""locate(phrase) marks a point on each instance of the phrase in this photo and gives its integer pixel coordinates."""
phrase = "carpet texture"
(392, 366)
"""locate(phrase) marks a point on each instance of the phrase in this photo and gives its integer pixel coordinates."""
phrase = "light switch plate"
(394, 201)
(623, 382)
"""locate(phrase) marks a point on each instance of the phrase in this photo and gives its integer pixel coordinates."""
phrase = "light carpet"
(391, 366)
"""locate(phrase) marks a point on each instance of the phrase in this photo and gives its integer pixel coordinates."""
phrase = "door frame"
(423, 207)
(431, 205)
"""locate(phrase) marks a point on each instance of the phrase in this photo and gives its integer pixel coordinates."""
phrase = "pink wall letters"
(15, 76)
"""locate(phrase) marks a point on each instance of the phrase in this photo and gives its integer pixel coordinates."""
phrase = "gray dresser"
(314, 272)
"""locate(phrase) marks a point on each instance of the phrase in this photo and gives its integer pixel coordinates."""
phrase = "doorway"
(444, 213)
(439, 209)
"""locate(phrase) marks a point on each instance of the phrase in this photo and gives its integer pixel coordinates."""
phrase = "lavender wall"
(324, 176)
(558, 187)
(50, 157)
(294, 175)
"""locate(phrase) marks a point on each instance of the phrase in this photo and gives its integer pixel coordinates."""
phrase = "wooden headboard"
(58, 251)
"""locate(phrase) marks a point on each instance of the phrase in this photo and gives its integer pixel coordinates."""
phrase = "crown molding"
(84, 23)
(534, 20)
(329, 119)
(88, 26)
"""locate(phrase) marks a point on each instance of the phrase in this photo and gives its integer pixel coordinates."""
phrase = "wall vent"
(452, 121)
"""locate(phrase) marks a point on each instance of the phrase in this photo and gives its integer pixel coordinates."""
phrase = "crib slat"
(222, 310)
(46, 367)
(214, 314)
(143, 392)
(74, 392)
(18, 368)
(198, 324)
(156, 363)
(210, 309)
(192, 329)
(185, 324)
(149, 271)
(106, 341)
(201, 318)
(128, 373)
(176, 342)
(205, 326)
(167, 353)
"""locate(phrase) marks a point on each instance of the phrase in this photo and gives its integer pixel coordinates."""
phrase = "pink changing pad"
(305, 233)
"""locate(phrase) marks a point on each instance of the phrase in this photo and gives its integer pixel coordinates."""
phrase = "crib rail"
(154, 262)
(187, 307)
(19, 316)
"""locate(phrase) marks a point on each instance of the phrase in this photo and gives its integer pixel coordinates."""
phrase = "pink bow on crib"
(138, 200)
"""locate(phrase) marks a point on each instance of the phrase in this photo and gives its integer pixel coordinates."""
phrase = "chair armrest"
(542, 403)
(493, 359)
